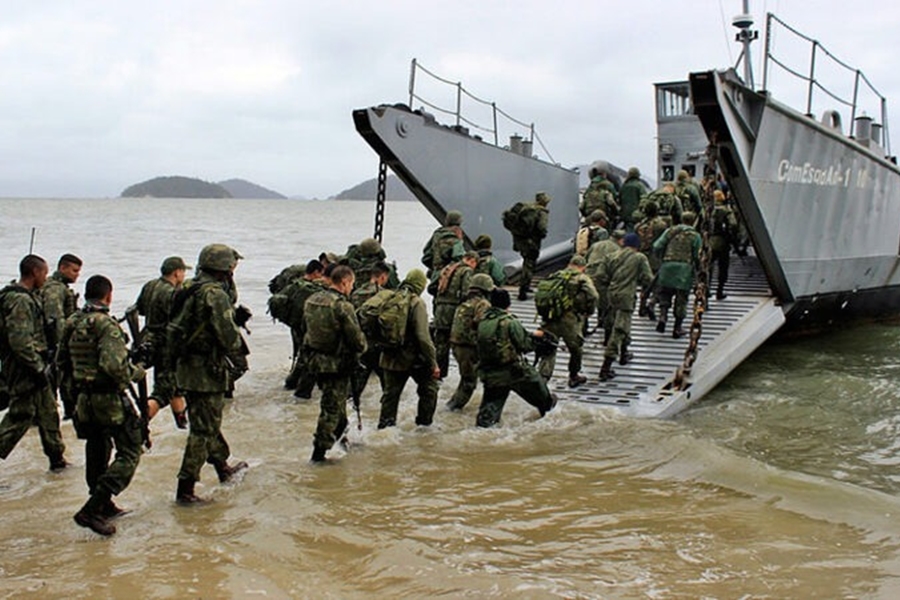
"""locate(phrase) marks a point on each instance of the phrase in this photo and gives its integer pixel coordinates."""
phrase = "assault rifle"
(139, 354)
(544, 345)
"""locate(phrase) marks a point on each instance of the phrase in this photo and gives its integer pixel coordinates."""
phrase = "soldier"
(363, 257)
(724, 232)
(59, 302)
(622, 274)
(93, 355)
(449, 290)
(529, 245)
(25, 365)
(334, 341)
(688, 192)
(369, 360)
(630, 195)
(212, 353)
(598, 255)
(593, 232)
(154, 303)
(414, 358)
(297, 293)
(668, 204)
(502, 341)
(445, 244)
(600, 195)
(679, 247)
(568, 325)
(486, 261)
(649, 229)
(464, 337)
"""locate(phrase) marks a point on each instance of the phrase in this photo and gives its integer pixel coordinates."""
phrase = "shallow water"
(782, 483)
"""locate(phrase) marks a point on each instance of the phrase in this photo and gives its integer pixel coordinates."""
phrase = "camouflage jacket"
(443, 247)
(367, 290)
(23, 343)
(60, 302)
(630, 195)
(502, 341)
(489, 265)
(93, 356)
(625, 271)
(154, 303)
(680, 250)
(452, 287)
(418, 349)
(206, 337)
(597, 256)
(332, 336)
(532, 244)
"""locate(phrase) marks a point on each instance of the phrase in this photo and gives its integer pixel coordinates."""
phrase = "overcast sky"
(98, 95)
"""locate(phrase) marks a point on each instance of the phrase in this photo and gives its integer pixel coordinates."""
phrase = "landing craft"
(821, 208)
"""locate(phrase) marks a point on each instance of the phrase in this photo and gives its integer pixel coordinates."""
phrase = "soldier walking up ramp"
(732, 329)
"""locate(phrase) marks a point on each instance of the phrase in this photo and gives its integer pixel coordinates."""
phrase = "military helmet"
(483, 242)
(416, 281)
(454, 217)
(542, 198)
(218, 257)
(651, 208)
(683, 175)
(634, 173)
(369, 247)
(596, 216)
(688, 217)
(481, 281)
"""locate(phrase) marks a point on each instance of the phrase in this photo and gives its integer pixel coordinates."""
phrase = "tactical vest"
(322, 325)
(680, 247)
(449, 289)
(84, 352)
(495, 348)
(465, 321)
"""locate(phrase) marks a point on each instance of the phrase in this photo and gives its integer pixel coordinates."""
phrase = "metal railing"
(814, 84)
(457, 112)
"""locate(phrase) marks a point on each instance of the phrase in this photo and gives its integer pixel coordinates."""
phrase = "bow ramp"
(732, 329)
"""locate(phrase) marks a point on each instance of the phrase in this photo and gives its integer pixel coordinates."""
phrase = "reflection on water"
(780, 484)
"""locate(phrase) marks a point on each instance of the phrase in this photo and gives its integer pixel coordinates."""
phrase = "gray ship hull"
(822, 210)
(448, 169)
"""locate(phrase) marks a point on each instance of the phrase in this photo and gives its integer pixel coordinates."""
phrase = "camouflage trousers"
(441, 339)
(467, 361)
(37, 408)
(521, 378)
(368, 363)
(529, 262)
(426, 389)
(163, 385)
(621, 333)
(332, 409)
(205, 443)
(665, 296)
(570, 329)
(126, 438)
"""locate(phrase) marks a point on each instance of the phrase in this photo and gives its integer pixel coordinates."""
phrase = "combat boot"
(185, 495)
(720, 292)
(576, 379)
(226, 472)
(677, 331)
(111, 511)
(661, 324)
(91, 514)
(318, 455)
(606, 372)
(58, 464)
(625, 356)
(553, 401)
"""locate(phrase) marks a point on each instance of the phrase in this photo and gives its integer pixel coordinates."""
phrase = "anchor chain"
(380, 200)
(701, 286)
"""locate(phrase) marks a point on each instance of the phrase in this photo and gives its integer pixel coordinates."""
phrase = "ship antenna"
(745, 36)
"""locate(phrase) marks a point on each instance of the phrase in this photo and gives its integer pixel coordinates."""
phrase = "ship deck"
(731, 330)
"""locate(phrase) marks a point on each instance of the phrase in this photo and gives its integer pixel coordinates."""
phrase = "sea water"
(782, 483)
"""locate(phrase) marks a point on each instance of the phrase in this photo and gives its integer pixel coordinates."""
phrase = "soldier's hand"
(179, 413)
(152, 408)
(138, 373)
(436, 373)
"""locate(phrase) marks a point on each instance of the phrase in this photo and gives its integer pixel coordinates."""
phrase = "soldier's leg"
(390, 398)
(427, 391)
(98, 448)
(665, 301)
(533, 390)
(680, 311)
(332, 410)
(574, 339)
(127, 440)
(442, 349)
(467, 361)
(16, 422)
(290, 382)
(548, 362)
(47, 418)
(493, 399)
(205, 418)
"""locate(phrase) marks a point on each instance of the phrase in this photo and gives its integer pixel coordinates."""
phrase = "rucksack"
(520, 219)
(287, 305)
(321, 334)
(287, 275)
(494, 345)
(465, 321)
(383, 318)
(552, 298)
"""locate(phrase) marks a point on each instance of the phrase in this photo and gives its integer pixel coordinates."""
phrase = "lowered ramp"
(732, 329)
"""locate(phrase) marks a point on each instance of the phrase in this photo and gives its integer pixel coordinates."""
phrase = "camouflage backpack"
(287, 305)
(287, 275)
(521, 219)
(443, 244)
(383, 318)
(321, 333)
(494, 344)
(465, 321)
(552, 298)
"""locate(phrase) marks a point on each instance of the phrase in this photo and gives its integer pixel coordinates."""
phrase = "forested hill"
(367, 190)
(176, 187)
(241, 188)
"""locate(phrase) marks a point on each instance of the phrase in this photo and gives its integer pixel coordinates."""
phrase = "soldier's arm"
(356, 339)
(521, 340)
(113, 354)
(423, 341)
(21, 332)
(645, 273)
(222, 321)
(497, 272)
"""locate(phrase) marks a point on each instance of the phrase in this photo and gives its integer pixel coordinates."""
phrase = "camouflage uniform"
(154, 303)
(668, 202)
(464, 339)
(369, 360)
(445, 244)
(334, 342)
(415, 358)
(363, 257)
(600, 195)
(94, 355)
(597, 257)
(451, 286)
(530, 246)
(208, 338)
(680, 250)
(630, 195)
(489, 265)
(59, 303)
(23, 363)
(501, 343)
(624, 272)
(299, 292)
(569, 327)
(724, 231)
(688, 192)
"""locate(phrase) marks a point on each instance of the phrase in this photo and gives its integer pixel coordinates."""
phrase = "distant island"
(367, 190)
(175, 187)
(241, 188)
